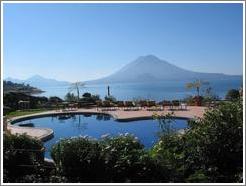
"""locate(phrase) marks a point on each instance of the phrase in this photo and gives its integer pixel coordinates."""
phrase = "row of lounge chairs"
(135, 106)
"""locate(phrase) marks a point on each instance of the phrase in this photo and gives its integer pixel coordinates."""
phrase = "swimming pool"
(97, 125)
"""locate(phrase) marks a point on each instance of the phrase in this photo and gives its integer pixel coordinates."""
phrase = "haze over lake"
(155, 90)
(146, 77)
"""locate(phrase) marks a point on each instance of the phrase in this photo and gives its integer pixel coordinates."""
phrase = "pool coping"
(48, 133)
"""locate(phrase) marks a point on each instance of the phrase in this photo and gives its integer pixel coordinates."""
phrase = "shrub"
(232, 94)
(110, 98)
(211, 150)
(87, 95)
(214, 144)
(89, 98)
(116, 159)
(95, 97)
(79, 159)
(169, 153)
(127, 161)
(197, 177)
(22, 158)
(120, 153)
(55, 99)
(70, 97)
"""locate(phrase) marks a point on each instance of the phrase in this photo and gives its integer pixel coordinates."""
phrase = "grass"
(25, 112)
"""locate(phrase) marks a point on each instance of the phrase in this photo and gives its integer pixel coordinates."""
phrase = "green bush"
(211, 150)
(232, 94)
(70, 97)
(120, 153)
(87, 95)
(169, 152)
(116, 159)
(22, 158)
(110, 98)
(89, 98)
(214, 144)
(126, 160)
(79, 159)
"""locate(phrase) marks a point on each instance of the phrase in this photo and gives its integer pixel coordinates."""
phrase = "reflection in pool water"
(96, 125)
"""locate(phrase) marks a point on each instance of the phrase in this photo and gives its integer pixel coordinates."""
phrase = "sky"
(78, 42)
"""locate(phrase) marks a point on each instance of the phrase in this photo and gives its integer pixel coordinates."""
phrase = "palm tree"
(197, 85)
(76, 86)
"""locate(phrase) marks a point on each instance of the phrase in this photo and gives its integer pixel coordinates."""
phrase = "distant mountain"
(150, 68)
(39, 81)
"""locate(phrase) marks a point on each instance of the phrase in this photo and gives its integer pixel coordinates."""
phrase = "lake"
(96, 125)
(157, 91)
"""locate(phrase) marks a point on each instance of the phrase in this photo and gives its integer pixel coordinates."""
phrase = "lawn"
(25, 112)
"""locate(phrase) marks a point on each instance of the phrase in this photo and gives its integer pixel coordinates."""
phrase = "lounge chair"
(129, 104)
(175, 104)
(155, 108)
(151, 103)
(106, 104)
(167, 104)
(143, 103)
(120, 104)
(183, 106)
(135, 108)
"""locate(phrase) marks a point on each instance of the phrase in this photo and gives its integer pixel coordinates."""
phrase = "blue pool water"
(95, 125)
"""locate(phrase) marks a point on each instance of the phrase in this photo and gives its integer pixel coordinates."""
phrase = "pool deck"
(44, 134)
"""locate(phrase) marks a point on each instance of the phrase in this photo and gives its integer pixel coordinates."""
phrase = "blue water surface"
(158, 91)
(96, 125)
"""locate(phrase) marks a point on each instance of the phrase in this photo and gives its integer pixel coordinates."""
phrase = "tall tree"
(76, 87)
(196, 85)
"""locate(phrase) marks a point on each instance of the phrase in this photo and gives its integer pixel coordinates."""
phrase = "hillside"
(150, 68)
(9, 86)
(40, 82)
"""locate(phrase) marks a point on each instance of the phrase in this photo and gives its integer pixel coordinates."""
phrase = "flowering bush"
(111, 159)
(79, 159)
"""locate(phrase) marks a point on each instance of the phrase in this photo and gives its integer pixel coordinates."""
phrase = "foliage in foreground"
(232, 95)
(22, 158)
(117, 159)
(214, 144)
(211, 150)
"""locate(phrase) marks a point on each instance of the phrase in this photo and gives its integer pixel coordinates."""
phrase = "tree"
(209, 96)
(87, 95)
(166, 122)
(70, 97)
(110, 98)
(196, 85)
(214, 144)
(76, 86)
(55, 99)
(232, 94)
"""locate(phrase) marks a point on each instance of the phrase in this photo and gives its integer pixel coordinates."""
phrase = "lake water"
(96, 125)
(157, 91)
